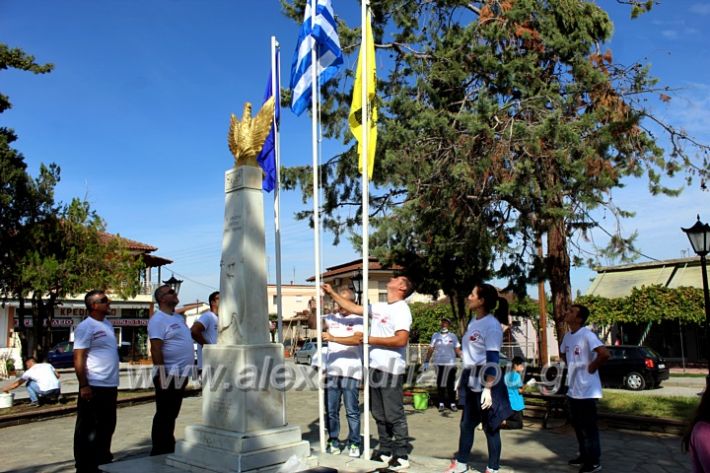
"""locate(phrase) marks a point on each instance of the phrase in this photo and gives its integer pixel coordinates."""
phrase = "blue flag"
(324, 37)
(267, 156)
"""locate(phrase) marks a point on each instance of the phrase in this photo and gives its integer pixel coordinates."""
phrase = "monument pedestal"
(244, 414)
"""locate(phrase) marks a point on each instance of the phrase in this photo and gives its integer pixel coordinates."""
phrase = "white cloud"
(700, 8)
(670, 34)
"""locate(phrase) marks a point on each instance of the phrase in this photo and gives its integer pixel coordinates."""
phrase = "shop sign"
(55, 322)
(129, 322)
(78, 312)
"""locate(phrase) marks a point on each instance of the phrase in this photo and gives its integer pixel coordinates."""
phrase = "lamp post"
(174, 283)
(356, 284)
(699, 236)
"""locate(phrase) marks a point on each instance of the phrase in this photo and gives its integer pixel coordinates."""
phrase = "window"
(275, 300)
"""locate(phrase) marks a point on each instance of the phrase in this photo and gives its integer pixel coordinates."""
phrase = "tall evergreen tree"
(502, 122)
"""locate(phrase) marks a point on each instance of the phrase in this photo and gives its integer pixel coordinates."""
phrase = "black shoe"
(379, 456)
(590, 468)
(576, 462)
(399, 463)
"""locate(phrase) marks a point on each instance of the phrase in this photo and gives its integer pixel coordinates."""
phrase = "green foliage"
(49, 250)
(648, 304)
(501, 122)
(426, 320)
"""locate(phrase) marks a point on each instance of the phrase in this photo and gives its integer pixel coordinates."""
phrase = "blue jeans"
(583, 415)
(471, 416)
(35, 393)
(348, 388)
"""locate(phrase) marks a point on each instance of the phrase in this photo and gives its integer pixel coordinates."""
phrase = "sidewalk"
(46, 447)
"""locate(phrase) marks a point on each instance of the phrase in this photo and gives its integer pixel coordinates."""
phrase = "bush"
(426, 320)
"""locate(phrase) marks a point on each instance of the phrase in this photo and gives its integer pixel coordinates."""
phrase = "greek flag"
(324, 37)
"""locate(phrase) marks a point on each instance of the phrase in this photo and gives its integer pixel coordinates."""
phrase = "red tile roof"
(354, 266)
(132, 244)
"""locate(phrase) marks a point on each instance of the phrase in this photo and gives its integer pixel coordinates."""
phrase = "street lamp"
(356, 284)
(699, 236)
(174, 284)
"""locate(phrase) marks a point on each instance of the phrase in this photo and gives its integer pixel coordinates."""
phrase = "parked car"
(633, 367)
(307, 352)
(61, 355)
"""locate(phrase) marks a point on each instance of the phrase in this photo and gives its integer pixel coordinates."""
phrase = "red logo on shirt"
(577, 350)
(475, 336)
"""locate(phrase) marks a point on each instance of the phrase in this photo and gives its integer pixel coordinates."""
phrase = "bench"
(552, 404)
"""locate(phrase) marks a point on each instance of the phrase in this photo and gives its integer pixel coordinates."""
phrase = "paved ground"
(46, 447)
(132, 376)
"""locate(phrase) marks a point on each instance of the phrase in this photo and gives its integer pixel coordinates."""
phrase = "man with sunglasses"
(96, 366)
(173, 360)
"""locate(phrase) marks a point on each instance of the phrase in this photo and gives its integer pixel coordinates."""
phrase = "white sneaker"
(354, 451)
(398, 464)
(456, 467)
(491, 470)
(332, 448)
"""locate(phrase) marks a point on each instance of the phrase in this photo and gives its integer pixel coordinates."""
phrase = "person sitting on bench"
(42, 382)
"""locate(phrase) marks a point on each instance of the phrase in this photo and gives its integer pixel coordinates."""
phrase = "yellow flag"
(355, 119)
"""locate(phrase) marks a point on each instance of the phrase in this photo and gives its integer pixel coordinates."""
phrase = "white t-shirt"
(344, 360)
(482, 335)
(178, 352)
(387, 319)
(44, 375)
(210, 322)
(444, 345)
(578, 348)
(99, 340)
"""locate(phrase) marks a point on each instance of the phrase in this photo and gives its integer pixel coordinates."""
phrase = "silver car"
(307, 352)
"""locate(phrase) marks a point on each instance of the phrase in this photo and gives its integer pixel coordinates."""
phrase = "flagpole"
(315, 92)
(365, 224)
(275, 87)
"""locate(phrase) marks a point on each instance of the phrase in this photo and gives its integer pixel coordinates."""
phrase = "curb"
(9, 420)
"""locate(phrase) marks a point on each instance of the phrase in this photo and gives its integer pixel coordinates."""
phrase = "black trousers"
(168, 400)
(387, 407)
(95, 424)
(583, 416)
(515, 421)
(445, 382)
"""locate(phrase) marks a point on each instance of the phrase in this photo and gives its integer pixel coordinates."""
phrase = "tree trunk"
(558, 265)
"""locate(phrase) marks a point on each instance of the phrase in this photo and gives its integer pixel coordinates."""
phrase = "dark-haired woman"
(486, 397)
(697, 437)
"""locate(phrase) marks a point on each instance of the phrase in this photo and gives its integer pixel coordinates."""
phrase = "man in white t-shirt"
(390, 324)
(204, 330)
(343, 374)
(583, 353)
(42, 382)
(173, 360)
(444, 347)
(96, 366)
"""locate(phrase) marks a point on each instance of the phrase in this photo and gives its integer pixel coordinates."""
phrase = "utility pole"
(542, 301)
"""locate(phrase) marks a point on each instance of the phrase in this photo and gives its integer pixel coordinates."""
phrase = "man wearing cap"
(445, 347)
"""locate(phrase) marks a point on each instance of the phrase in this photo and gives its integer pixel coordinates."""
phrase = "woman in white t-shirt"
(485, 396)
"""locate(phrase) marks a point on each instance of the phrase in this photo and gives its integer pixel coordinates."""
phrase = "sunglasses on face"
(103, 300)
(169, 291)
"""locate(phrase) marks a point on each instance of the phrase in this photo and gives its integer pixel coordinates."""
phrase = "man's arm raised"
(349, 306)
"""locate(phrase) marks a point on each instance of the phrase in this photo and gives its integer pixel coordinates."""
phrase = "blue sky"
(137, 109)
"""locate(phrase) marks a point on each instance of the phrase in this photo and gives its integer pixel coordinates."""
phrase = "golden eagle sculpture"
(246, 137)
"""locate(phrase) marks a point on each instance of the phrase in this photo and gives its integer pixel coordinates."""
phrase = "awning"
(619, 283)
